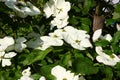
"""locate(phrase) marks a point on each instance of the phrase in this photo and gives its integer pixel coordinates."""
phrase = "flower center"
(77, 41)
(112, 56)
(55, 36)
(59, 10)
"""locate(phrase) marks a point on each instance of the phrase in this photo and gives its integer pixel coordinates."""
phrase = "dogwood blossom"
(57, 8)
(60, 23)
(6, 57)
(102, 57)
(78, 39)
(61, 73)
(98, 35)
(24, 10)
(6, 42)
(48, 41)
(26, 74)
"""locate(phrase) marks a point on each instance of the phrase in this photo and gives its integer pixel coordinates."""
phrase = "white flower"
(61, 8)
(42, 78)
(61, 73)
(57, 34)
(26, 74)
(60, 23)
(24, 10)
(25, 78)
(5, 58)
(102, 57)
(78, 39)
(5, 42)
(57, 8)
(49, 41)
(96, 35)
(107, 37)
(118, 27)
(19, 46)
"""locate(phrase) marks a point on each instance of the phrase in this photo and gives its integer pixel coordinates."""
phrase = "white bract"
(6, 42)
(6, 57)
(118, 27)
(48, 41)
(96, 35)
(42, 78)
(26, 74)
(102, 57)
(107, 37)
(57, 34)
(78, 39)
(60, 73)
(60, 23)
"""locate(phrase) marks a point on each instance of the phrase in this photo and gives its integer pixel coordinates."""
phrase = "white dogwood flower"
(48, 41)
(57, 8)
(6, 42)
(26, 74)
(60, 23)
(102, 57)
(6, 57)
(61, 73)
(57, 34)
(24, 10)
(78, 39)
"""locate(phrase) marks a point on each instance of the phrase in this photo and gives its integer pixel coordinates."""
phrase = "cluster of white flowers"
(78, 39)
(59, 10)
(102, 57)
(7, 44)
(26, 73)
(59, 72)
(21, 8)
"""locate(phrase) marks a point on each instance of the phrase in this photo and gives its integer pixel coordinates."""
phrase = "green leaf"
(116, 15)
(35, 55)
(108, 72)
(117, 8)
(46, 71)
(65, 59)
(87, 5)
(102, 42)
(116, 37)
(84, 66)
